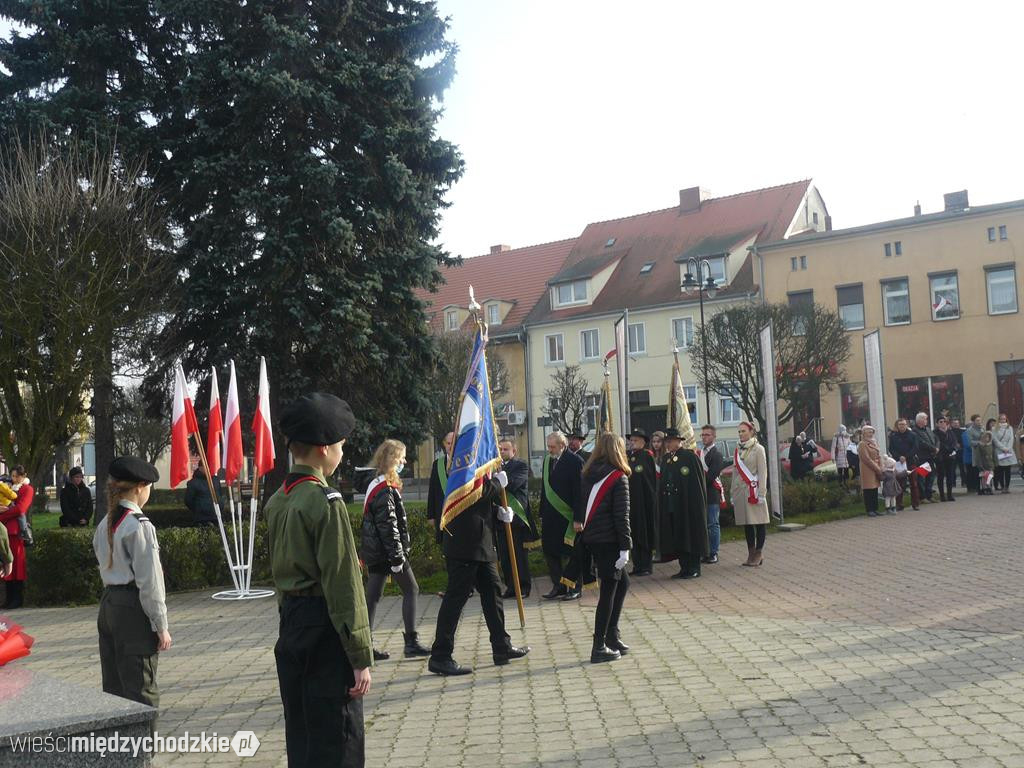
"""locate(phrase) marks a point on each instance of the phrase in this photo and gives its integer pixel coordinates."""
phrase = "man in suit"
(438, 484)
(713, 463)
(523, 527)
(471, 560)
(559, 496)
(642, 496)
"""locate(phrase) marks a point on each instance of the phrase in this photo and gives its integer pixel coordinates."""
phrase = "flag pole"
(252, 529)
(509, 540)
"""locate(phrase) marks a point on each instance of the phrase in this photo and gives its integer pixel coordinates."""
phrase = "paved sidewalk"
(895, 641)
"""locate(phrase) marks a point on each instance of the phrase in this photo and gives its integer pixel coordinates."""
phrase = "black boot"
(15, 595)
(413, 647)
(380, 655)
(601, 653)
(614, 642)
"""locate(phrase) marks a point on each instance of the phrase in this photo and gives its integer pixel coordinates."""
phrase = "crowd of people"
(921, 459)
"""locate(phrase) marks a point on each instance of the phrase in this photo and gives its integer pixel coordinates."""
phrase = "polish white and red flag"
(183, 424)
(214, 427)
(232, 432)
(924, 470)
(263, 455)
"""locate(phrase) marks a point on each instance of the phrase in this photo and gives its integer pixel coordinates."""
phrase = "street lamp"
(703, 285)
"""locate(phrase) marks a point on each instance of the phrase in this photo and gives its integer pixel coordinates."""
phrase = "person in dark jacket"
(643, 490)
(682, 508)
(559, 496)
(75, 500)
(946, 458)
(524, 530)
(198, 500)
(801, 456)
(439, 484)
(927, 452)
(903, 447)
(602, 520)
(576, 445)
(385, 543)
(471, 561)
(713, 462)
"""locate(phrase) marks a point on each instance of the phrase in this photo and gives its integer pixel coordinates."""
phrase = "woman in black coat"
(604, 526)
(385, 543)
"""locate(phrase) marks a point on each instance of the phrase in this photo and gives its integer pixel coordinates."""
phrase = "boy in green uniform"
(324, 649)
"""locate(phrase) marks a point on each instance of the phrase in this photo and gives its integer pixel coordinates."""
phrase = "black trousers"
(970, 475)
(1003, 477)
(643, 559)
(689, 562)
(463, 577)
(871, 500)
(945, 469)
(323, 725)
(128, 655)
(522, 564)
(614, 586)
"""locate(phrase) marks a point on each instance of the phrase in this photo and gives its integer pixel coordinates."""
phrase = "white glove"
(505, 514)
(502, 479)
(398, 568)
(623, 559)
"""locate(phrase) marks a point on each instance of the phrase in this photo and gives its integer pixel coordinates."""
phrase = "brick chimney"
(917, 208)
(691, 198)
(500, 248)
(956, 201)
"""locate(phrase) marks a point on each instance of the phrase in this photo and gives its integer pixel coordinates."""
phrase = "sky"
(568, 112)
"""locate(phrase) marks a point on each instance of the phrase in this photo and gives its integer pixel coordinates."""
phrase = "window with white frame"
(851, 306)
(493, 314)
(945, 296)
(590, 347)
(554, 349)
(593, 409)
(718, 270)
(896, 301)
(690, 390)
(1001, 283)
(637, 342)
(682, 332)
(728, 409)
(452, 320)
(567, 294)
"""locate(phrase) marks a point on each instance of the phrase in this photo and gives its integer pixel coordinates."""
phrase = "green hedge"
(812, 494)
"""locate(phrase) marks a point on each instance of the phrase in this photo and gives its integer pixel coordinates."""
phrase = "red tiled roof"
(659, 237)
(519, 276)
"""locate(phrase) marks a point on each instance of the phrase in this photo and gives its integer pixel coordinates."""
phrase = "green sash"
(517, 507)
(557, 502)
(442, 473)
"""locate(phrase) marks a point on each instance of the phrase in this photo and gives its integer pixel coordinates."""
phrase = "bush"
(811, 495)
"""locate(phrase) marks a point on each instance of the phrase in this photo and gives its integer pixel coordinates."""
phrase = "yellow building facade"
(942, 289)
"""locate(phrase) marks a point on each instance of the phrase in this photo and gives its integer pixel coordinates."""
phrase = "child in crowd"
(9, 498)
(890, 483)
(985, 458)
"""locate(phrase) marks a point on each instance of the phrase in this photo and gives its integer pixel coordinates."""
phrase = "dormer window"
(493, 314)
(718, 271)
(570, 294)
(451, 319)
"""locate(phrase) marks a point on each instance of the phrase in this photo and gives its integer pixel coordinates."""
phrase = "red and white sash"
(599, 491)
(718, 480)
(375, 487)
(747, 476)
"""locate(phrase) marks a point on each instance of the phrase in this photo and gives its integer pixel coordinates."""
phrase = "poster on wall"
(771, 417)
(876, 394)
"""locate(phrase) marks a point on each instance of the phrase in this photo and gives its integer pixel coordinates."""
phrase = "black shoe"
(413, 647)
(680, 575)
(555, 592)
(710, 560)
(573, 594)
(951, 498)
(615, 644)
(380, 655)
(644, 572)
(508, 594)
(691, 575)
(447, 668)
(504, 657)
(602, 653)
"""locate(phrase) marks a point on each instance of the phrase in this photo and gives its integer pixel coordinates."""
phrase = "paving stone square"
(893, 641)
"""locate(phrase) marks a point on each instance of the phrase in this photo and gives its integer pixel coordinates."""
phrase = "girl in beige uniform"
(133, 615)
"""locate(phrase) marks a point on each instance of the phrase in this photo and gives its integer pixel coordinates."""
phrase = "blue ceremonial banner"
(475, 454)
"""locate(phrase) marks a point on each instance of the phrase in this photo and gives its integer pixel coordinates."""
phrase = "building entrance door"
(1010, 388)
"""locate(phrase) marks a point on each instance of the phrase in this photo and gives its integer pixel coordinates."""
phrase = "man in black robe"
(559, 497)
(524, 529)
(642, 496)
(682, 513)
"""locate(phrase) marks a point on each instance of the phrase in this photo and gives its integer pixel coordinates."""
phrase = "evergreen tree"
(309, 180)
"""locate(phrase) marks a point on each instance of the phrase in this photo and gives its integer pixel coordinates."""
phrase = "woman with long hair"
(385, 543)
(871, 470)
(748, 489)
(605, 532)
(132, 619)
(1006, 456)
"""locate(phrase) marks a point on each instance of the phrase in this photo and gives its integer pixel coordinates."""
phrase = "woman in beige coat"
(750, 480)
(870, 469)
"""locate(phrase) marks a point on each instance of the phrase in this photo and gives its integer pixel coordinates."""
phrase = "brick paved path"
(891, 641)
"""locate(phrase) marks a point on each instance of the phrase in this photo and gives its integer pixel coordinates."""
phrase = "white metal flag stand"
(240, 565)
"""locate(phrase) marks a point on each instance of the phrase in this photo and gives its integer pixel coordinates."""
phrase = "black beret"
(76, 472)
(317, 419)
(673, 432)
(637, 432)
(133, 470)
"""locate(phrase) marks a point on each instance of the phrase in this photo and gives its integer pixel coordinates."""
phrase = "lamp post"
(703, 285)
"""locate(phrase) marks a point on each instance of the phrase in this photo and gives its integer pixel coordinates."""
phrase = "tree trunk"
(103, 426)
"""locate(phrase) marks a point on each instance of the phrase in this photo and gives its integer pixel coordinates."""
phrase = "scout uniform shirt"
(312, 551)
(136, 559)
